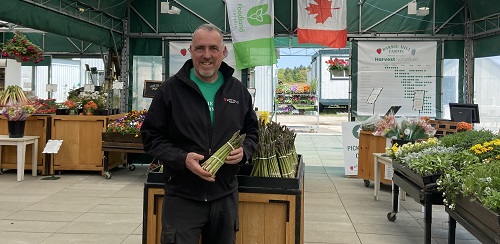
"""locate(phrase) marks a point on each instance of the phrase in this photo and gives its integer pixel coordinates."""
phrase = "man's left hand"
(235, 156)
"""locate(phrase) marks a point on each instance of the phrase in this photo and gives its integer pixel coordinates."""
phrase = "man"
(192, 115)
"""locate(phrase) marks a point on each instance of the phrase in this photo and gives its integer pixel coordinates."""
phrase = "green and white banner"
(252, 30)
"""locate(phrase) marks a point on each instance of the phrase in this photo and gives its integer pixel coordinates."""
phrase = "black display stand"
(425, 194)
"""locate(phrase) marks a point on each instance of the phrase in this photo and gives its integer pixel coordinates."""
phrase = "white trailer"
(333, 90)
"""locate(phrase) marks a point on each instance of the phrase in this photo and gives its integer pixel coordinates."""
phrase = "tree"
(295, 75)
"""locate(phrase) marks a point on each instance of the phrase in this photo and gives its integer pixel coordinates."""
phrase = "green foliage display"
(466, 139)
(479, 181)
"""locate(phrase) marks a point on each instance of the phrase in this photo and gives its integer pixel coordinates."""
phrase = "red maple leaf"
(323, 10)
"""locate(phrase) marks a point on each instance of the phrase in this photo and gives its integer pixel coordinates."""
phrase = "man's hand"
(193, 164)
(235, 156)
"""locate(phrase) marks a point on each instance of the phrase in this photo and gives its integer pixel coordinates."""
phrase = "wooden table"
(21, 144)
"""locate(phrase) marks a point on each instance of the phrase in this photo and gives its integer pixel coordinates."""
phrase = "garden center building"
(86, 65)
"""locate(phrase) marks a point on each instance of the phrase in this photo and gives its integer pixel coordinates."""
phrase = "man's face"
(207, 53)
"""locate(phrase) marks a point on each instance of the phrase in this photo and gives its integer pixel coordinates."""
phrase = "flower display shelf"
(419, 180)
(125, 138)
(276, 204)
(480, 212)
(427, 196)
(481, 222)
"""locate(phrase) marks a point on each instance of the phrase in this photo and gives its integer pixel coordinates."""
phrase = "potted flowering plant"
(337, 66)
(22, 49)
(16, 114)
(72, 107)
(89, 107)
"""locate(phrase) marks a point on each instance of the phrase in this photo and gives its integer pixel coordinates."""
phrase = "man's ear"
(225, 52)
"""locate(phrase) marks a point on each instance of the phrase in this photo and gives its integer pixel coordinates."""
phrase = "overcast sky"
(294, 57)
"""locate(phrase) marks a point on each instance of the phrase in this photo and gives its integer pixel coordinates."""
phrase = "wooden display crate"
(369, 144)
(82, 144)
(443, 127)
(36, 125)
(267, 214)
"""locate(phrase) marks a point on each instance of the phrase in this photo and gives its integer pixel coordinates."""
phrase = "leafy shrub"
(466, 139)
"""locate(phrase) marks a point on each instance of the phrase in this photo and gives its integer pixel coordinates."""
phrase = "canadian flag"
(322, 22)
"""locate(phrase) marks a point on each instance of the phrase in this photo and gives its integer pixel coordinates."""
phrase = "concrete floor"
(83, 207)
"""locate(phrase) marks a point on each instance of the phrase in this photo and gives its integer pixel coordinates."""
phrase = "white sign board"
(52, 146)
(117, 85)
(399, 68)
(388, 172)
(51, 87)
(350, 140)
(179, 54)
(418, 100)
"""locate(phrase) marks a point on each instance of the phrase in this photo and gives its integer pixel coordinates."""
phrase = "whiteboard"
(400, 68)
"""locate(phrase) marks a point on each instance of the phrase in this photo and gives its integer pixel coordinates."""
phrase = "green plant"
(480, 181)
(314, 86)
(398, 152)
(21, 48)
(466, 139)
(430, 161)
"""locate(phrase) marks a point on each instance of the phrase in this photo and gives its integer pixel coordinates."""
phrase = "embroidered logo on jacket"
(230, 100)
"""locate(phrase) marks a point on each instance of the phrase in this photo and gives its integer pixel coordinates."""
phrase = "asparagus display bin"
(271, 210)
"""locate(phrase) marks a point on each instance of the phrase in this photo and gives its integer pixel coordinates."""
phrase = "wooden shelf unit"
(82, 144)
(369, 144)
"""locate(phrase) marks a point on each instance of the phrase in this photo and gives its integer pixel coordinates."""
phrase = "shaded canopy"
(102, 22)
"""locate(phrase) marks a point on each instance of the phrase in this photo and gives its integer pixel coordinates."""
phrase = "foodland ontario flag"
(252, 30)
(322, 22)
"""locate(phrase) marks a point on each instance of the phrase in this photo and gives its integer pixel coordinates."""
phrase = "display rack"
(292, 103)
(421, 189)
(276, 204)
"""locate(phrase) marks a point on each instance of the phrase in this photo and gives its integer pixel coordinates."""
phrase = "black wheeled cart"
(422, 189)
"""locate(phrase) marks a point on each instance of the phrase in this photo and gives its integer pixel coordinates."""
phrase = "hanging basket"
(337, 73)
(18, 59)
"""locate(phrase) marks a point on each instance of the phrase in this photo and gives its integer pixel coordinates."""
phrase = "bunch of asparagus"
(217, 159)
(264, 159)
(287, 156)
(275, 155)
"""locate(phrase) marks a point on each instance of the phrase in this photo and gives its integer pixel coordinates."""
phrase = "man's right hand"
(193, 164)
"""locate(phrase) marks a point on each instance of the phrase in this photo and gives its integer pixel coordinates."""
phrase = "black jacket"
(178, 122)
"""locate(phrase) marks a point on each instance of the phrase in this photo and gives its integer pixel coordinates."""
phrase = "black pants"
(184, 221)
